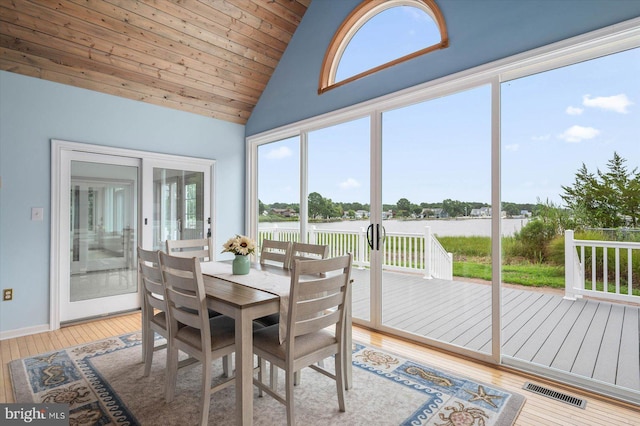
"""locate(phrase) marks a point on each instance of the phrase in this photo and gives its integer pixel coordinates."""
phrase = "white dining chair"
(201, 248)
(275, 252)
(315, 328)
(154, 306)
(191, 330)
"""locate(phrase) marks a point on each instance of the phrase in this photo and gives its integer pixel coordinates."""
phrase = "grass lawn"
(529, 275)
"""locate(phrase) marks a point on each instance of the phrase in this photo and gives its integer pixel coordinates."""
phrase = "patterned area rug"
(103, 383)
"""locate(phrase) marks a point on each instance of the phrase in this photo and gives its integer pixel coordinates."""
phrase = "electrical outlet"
(7, 294)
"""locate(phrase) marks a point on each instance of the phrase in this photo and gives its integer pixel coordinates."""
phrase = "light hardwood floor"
(537, 411)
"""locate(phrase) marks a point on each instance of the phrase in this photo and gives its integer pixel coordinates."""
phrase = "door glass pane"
(103, 219)
(436, 195)
(178, 206)
(571, 162)
(338, 200)
(279, 191)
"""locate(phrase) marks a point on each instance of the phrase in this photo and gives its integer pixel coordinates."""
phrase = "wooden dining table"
(243, 298)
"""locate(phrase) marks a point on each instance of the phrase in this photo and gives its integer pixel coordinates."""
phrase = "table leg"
(244, 369)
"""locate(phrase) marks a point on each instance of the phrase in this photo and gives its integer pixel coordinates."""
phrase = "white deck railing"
(577, 284)
(402, 251)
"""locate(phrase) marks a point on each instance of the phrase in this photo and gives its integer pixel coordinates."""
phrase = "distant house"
(387, 215)
(289, 212)
(437, 213)
(358, 214)
(482, 212)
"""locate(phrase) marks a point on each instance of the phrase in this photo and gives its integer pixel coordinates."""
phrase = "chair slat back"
(276, 251)
(151, 277)
(186, 297)
(306, 251)
(200, 248)
(318, 303)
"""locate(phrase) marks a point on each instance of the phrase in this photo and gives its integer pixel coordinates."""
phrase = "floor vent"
(558, 396)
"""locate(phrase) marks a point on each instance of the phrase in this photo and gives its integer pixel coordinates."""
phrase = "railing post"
(275, 235)
(361, 247)
(428, 255)
(569, 276)
(312, 235)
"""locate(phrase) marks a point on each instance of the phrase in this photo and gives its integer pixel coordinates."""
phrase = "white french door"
(98, 230)
(176, 202)
(105, 203)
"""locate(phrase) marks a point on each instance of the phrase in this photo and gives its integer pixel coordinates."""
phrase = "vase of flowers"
(242, 246)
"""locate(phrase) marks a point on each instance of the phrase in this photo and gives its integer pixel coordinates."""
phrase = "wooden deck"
(587, 338)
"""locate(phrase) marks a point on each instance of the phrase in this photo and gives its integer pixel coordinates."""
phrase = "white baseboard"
(24, 331)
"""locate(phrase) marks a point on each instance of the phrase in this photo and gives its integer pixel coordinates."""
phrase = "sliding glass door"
(436, 202)
(338, 210)
(106, 202)
(101, 207)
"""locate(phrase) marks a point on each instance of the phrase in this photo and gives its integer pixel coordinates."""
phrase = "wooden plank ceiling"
(208, 57)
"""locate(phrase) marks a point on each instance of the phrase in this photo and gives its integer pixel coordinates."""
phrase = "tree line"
(600, 199)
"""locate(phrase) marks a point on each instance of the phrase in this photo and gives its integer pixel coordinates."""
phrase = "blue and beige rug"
(102, 383)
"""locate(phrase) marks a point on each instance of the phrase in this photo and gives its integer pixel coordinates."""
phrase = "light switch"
(37, 213)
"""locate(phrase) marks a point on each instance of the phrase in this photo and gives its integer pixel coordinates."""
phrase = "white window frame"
(609, 40)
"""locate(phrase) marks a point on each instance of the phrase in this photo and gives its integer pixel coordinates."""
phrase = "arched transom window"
(379, 34)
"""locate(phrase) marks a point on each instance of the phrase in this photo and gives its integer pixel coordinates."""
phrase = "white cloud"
(279, 153)
(541, 138)
(617, 103)
(512, 147)
(349, 184)
(579, 133)
(571, 110)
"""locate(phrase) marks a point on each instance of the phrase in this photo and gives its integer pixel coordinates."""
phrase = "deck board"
(549, 349)
(606, 366)
(590, 338)
(629, 356)
(585, 362)
(530, 348)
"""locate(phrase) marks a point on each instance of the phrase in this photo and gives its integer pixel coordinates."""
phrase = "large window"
(523, 149)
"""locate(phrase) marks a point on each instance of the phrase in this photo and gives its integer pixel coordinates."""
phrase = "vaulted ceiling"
(208, 57)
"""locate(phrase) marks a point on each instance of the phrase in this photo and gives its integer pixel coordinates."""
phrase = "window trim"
(359, 17)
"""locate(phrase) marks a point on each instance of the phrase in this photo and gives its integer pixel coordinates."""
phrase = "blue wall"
(480, 31)
(34, 111)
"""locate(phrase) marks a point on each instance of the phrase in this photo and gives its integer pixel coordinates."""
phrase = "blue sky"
(552, 123)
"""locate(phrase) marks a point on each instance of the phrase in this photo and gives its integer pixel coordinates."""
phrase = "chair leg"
(147, 349)
(172, 372)
(206, 392)
(263, 366)
(273, 380)
(289, 398)
(340, 381)
(227, 366)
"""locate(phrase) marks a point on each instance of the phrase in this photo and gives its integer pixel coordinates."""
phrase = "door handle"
(384, 236)
(370, 236)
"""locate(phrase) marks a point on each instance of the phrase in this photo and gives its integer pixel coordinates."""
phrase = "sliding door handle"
(370, 236)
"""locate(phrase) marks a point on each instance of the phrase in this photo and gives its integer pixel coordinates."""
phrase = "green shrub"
(533, 239)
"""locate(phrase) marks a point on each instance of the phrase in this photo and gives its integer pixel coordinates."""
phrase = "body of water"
(442, 227)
